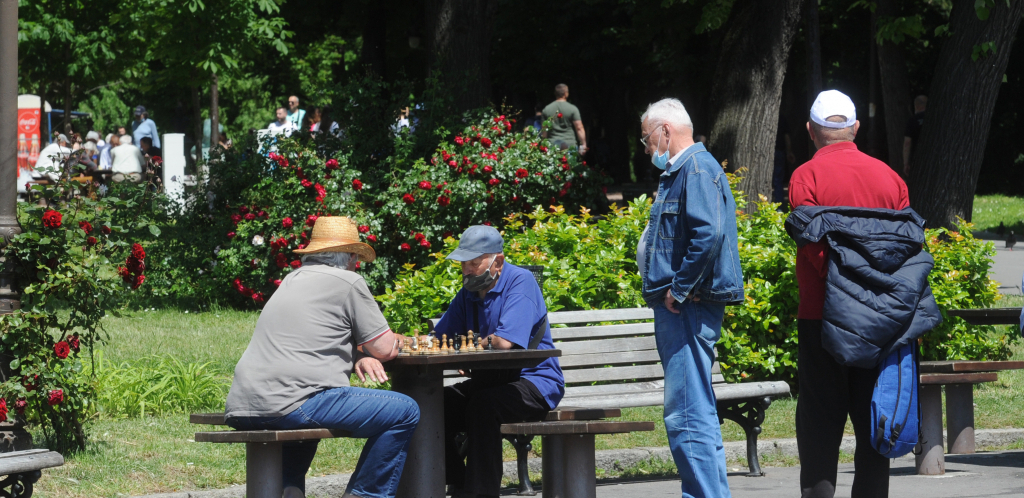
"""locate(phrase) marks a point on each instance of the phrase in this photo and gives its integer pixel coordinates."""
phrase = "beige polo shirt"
(304, 342)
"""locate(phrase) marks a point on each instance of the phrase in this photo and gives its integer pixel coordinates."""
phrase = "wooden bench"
(959, 378)
(263, 477)
(21, 470)
(617, 366)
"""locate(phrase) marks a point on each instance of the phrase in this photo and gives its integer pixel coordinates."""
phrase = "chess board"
(429, 345)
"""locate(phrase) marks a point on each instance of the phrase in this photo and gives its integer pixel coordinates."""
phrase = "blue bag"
(894, 404)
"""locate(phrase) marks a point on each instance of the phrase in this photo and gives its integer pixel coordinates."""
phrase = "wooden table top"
(961, 366)
(988, 316)
(515, 358)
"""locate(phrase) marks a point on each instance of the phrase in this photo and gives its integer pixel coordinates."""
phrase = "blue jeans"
(686, 344)
(386, 419)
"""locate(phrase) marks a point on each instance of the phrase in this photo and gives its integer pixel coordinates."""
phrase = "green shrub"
(155, 386)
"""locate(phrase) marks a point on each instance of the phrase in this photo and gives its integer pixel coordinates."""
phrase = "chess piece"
(433, 345)
(469, 341)
(489, 346)
(444, 344)
(462, 344)
(451, 346)
(415, 349)
(476, 344)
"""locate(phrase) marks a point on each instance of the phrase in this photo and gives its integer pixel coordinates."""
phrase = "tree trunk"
(745, 100)
(197, 120)
(896, 98)
(374, 52)
(214, 113)
(944, 170)
(459, 34)
(44, 132)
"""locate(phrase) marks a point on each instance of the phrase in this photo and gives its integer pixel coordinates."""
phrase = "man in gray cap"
(144, 127)
(503, 305)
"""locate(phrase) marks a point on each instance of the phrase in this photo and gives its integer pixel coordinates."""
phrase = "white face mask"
(660, 161)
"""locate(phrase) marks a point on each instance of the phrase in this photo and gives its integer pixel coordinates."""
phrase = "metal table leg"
(263, 477)
(424, 472)
(960, 418)
(553, 467)
(580, 473)
(931, 461)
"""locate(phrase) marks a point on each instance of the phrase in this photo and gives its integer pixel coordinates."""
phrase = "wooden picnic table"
(988, 316)
(421, 377)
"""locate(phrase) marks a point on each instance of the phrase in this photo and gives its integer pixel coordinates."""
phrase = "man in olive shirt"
(294, 374)
(565, 122)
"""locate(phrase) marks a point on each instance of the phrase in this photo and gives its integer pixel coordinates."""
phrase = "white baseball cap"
(833, 103)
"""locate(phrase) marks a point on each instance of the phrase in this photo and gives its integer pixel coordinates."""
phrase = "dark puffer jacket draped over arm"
(877, 297)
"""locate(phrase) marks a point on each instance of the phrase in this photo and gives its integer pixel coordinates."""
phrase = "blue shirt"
(146, 128)
(511, 310)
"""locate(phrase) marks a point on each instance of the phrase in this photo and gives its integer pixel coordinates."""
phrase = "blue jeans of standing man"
(386, 419)
(686, 344)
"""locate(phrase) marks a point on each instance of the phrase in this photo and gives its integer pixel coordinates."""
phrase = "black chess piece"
(489, 346)
(458, 345)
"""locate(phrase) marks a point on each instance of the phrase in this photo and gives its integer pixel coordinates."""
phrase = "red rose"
(358, 264)
(124, 272)
(20, 406)
(262, 214)
(139, 279)
(486, 142)
(74, 342)
(543, 149)
(61, 349)
(447, 234)
(419, 237)
(364, 229)
(444, 200)
(311, 220)
(564, 159)
(258, 298)
(488, 169)
(235, 218)
(356, 184)
(559, 115)
(321, 192)
(452, 163)
(286, 223)
(243, 209)
(493, 181)
(231, 235)
(85, 225)
(135, 265)
(105, 230)
(487, 223)
(425, 185)
(277, 282)
(378, 203)
(56, 397)
(522, 173)
(91, 240)
(425, 243)
(371, 238)
(281, 260)
(51, 219)
(565, 167)
(30, 385)
(138, 252)
(404, 246)
(296, 264)
(306, 183)
(3, 410)
(332, 164)
(408, 198)
(250, 216)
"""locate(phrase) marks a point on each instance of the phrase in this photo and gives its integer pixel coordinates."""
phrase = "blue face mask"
(660, 161)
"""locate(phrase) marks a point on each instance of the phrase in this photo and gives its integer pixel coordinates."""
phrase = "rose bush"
(66, 261)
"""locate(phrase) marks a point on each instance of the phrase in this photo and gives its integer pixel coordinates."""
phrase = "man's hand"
(670, 301)
(372, 368)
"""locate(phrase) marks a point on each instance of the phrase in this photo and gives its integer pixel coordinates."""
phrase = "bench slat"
(576, 427)
(729, 392)
(570, 333)
(593, 316)
(607, 345)
(957, 366)
(614, 373)
(268, 436)
(653, 385)
(634, 399)
(601, 359)
(29, 460)
(961, 378)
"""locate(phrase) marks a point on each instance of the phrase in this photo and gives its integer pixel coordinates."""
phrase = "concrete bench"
(263, 477)
(958, 378)
(617, 366)
(21, 470)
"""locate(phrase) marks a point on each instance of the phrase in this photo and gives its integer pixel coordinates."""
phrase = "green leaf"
(155, 230)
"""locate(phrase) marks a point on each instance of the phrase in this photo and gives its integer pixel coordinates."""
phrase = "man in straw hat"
(294, 374)
(502, 304)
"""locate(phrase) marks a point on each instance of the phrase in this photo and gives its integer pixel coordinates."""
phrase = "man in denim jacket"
(689, 261)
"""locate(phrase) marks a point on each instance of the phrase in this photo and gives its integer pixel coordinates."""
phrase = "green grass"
(989, 210)
(155, 454)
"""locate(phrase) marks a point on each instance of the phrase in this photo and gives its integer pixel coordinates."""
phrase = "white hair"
(329, 258)
(125, 139)
(669, 111)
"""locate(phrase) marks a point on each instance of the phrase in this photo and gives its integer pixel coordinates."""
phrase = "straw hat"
(338, 234)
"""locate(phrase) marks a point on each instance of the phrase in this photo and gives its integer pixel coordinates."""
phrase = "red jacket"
(837, 175)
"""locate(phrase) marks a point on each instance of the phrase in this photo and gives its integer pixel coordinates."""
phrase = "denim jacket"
(691, 237)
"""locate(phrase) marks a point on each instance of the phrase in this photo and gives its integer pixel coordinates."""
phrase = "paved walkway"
(1007, 267)
(984, 474)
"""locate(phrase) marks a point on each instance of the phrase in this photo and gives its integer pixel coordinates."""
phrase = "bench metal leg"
(580, 468)
(263, 468)
(960, 418)
(523, 445)
(553, 466)
(930, 461)
(749, 414)
(21, 485)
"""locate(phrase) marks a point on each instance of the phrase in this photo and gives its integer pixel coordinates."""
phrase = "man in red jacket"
(837, 175)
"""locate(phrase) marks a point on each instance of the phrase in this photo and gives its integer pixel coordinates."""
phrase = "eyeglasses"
(644, 138)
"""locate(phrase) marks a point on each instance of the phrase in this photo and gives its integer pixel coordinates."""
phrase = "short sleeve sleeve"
(519, 315)
(800, 193)
(365, 318)
(576, 114)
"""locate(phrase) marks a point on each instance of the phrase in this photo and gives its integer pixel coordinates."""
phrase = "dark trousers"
(828, 393)
(478, 407)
